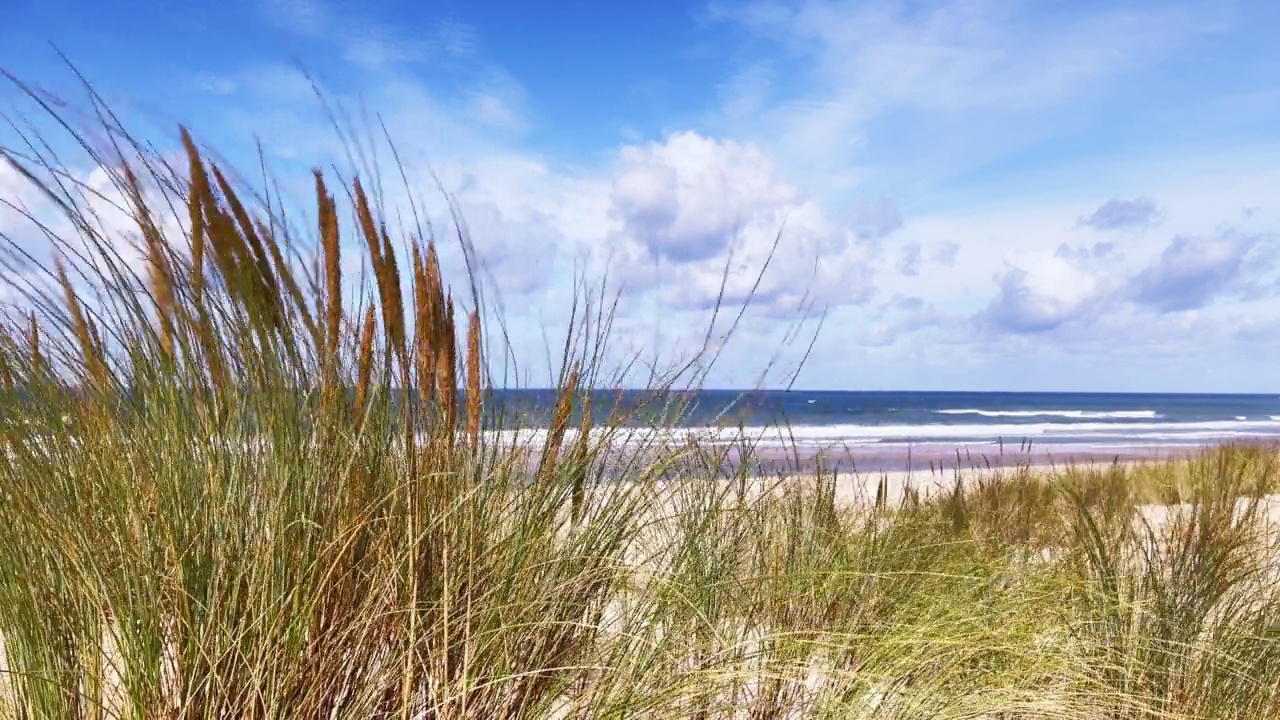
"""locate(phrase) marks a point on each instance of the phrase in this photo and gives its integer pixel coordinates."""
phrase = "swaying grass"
(226, 491)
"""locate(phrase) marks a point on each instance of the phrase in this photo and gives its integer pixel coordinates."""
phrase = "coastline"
(867, 472)
(939, 459)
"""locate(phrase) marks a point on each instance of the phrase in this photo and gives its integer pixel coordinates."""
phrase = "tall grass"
(228, 491)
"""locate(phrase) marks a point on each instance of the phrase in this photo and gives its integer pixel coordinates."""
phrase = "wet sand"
(941, 459)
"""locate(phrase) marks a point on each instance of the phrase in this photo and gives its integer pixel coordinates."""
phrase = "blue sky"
(993, 195)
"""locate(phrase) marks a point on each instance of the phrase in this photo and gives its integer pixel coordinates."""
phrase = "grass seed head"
(473, 379)
(364, 367)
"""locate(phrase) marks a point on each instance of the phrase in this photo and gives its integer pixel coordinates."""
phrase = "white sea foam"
(1155, 433)
(1075, 414)
(1158, 433)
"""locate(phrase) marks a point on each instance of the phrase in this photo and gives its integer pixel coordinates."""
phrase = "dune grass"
(227, 491)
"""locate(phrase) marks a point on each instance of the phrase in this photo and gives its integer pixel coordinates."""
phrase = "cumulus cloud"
(17, 197)
(1190, 272)
(42, 230)
(903, 315)
(685, 197)
(671, 214)
(873, 220)
(909, 259)
(16, 192)
(914, 256)
(516, 245)
(1085, 253)
(690, 204)
(1042, 294)
(1117, 214)
(944, 253)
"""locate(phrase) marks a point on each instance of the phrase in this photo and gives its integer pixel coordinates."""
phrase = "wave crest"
(1073, 414)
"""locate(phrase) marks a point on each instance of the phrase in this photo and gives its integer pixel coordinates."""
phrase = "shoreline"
(944, 460)
(858, 486)
(776, 450)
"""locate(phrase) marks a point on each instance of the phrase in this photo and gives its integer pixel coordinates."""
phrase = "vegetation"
(230, 489)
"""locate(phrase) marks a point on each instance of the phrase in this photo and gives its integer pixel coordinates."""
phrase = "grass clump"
(232, 488)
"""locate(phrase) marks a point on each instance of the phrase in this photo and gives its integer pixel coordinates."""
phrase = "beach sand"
(941, 458)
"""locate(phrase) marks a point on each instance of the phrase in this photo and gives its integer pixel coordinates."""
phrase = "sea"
(892, 430)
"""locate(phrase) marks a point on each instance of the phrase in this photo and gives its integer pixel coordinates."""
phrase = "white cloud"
(1117, 214)
(16, 199)
(873, 220)
(377, 51)
(904, 316)
(1191, 271)
(944, 252)
(103, 238)
(306, 17)
(685, 197)
(277, 83)
(916, 256)
(867, 100)
(691, 204)
(853, 90)
(214, 83)
(518, 245)
(111, 212)
(15, 191)
(1043, 292)
(370, 46)
(909, 260)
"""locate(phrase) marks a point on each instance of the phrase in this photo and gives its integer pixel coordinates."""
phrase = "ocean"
(891, 430)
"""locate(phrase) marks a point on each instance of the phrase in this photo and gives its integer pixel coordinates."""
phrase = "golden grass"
(365, 365)
(80, 327)
(6, 372)
(473, 379)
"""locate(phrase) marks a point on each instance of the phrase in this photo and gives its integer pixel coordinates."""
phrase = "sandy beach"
(940, 459)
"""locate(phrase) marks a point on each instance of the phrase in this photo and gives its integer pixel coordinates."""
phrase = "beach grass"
(230, 489)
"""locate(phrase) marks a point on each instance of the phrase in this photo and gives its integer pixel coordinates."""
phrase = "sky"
(1039, 195)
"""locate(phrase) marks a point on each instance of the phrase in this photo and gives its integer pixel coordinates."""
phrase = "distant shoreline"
(943, 458)
(774, 455)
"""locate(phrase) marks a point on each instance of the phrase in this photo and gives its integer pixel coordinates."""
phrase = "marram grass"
(227, 492)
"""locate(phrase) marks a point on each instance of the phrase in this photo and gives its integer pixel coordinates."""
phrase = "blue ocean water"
(887, 419)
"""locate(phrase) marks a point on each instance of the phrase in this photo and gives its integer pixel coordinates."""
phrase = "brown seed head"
(423, 328)
(6, 372)
(261, 282)
(93, 363)
(284, 273)
(33, 330)
(473, 379)
(197, 192)
(393, 304)
(328, 220)
(365, 367)
(559, 423)
(446, 371)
